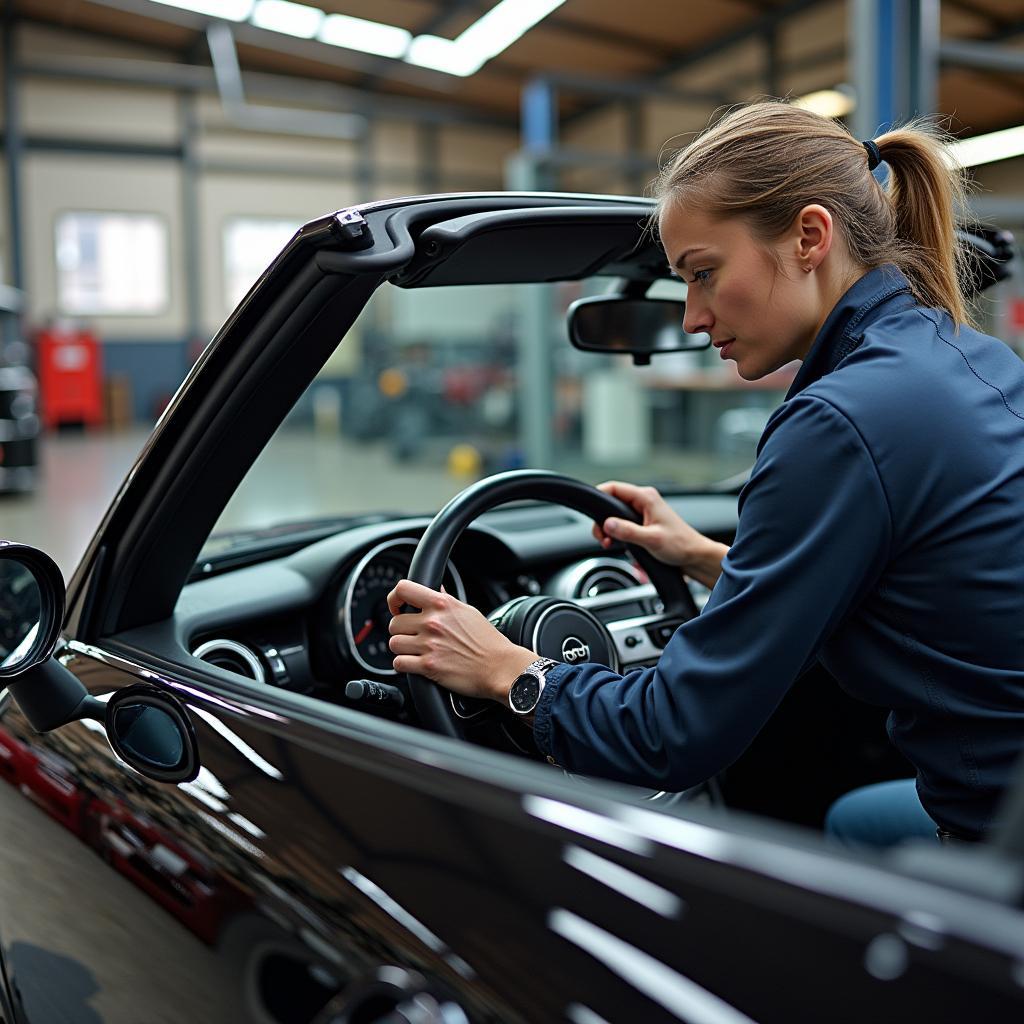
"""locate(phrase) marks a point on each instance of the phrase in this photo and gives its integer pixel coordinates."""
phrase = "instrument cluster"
(361, 607)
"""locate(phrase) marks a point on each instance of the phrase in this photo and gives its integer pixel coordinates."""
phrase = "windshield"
(434, 388)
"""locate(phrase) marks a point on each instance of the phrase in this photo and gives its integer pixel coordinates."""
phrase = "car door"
(326, 854)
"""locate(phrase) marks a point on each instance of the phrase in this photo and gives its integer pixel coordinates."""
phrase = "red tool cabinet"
(70, 377)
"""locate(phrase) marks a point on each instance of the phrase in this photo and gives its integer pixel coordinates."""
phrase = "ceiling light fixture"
(987, 149)
(501, 26)
(229, 10)
(834, 103)
(288, 18)
(445, 55)
(490, 35)
(366, 36)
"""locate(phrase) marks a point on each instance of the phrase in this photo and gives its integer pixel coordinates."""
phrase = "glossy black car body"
(331, 864)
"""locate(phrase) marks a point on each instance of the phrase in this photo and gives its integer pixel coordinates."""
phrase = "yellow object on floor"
(464, 460)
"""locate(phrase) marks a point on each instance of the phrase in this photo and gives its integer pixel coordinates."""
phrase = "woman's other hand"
(452, 643)
(662, 532)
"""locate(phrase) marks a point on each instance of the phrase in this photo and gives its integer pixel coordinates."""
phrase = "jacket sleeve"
(813, 536)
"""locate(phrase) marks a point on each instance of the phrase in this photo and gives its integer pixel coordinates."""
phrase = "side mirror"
(32, 600)
(31, 608)
(640, 327)
(149, 729)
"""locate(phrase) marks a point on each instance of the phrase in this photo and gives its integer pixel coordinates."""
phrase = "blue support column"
(894, 46)
(539, 117)
(527, 172)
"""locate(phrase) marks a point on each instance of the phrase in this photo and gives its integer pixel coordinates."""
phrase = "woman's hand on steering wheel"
(663, 532)
(452, 643)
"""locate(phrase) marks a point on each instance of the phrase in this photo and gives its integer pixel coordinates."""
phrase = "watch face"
(525, 693)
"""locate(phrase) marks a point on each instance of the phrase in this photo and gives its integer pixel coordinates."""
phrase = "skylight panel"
(365, 36)
(490, 35)
(289, 18)
(501, 26)
(987, 149)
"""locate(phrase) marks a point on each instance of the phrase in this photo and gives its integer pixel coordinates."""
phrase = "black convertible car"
(221, 804)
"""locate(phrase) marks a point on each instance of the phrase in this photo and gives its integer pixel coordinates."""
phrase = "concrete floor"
(78, 475)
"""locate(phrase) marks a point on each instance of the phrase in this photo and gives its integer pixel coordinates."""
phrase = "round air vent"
(232, 657)
(604, 580)
(592, 577)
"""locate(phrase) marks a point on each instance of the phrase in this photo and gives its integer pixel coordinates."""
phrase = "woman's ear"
(813, 235)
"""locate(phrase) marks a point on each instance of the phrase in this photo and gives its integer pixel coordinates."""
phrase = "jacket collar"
(866, 301)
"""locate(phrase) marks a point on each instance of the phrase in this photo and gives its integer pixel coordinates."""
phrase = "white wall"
(223, 197)
(54, 184)
(50, 108)
(241, 173)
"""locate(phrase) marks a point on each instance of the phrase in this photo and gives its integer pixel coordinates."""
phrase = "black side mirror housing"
(32, 599)
(148, 728)
(33, 595)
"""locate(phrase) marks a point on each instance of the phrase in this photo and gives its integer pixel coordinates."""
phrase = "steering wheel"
(544, 624)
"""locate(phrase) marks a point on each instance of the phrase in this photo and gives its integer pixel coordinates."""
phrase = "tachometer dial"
(362, 611)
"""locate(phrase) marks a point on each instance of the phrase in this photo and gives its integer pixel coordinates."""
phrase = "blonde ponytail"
(925, 190)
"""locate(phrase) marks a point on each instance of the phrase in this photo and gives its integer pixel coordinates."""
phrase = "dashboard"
(317, 619)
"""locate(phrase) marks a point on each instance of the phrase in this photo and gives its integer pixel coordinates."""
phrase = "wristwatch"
(527, 688)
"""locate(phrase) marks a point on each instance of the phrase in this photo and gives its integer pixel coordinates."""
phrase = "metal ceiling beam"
(327, 124)
(999, 26)
(411, 179)
(629, 88)
(309, 49)
(758, 27)
(976, 53)
(371, 66)
(282, 88)
(983, 56)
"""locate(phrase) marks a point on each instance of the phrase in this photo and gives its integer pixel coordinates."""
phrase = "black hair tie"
(874, 156)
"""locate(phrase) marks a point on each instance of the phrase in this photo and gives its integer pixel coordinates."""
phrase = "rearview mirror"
(633, 326)
(31, 608)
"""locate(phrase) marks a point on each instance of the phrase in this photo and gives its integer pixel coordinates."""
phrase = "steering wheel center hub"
(557, 629)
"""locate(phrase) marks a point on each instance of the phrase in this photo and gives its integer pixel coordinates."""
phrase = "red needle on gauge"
(365, 631)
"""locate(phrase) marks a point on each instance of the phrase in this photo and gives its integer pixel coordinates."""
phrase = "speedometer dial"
(362, 611)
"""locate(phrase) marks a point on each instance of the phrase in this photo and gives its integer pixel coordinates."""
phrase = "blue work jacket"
(882, 532)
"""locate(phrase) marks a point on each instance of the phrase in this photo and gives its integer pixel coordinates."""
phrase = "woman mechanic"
(881, 530)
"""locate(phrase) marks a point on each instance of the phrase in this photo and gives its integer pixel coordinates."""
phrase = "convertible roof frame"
(242, 388)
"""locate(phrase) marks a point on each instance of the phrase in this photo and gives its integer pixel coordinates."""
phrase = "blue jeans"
(880, 815)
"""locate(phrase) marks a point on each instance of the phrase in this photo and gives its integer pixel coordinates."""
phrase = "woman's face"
(757, 315)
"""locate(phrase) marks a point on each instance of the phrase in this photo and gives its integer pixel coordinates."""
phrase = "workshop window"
(250, 245)
(112, 264)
